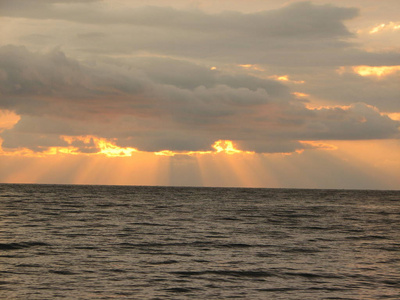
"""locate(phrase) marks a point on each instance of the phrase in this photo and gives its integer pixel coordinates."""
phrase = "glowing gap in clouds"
(364, 71)
(286, 79)
(103, 145)
(391, 25)
(220, 146)
(95, 146)
(252, 67)
(92, 145)
(300, 95)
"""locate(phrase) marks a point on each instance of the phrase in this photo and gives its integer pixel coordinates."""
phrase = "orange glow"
(165, 153)
(283, 78)
(364, 71)
(286, 78)
(246, 66)
(173, 153)
(377, 160)
(17, 152)
(319, 145)
(8, 119)
(390, 26)
(376, 71)
(109, 149)
(252, 67)
(300, 95)
(320, 107)
(380, 158)
(394, 116)
(102, 146)
(377, 28)
(105, 147)
(344, 107)
(235, 170)
(220, 146)
(227, 147)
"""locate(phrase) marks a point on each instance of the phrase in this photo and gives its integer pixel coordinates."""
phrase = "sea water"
(123, 242)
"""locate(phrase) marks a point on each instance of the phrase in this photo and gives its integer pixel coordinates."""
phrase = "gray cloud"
(56, 95)
(347, 88)
(297, 20)
(301, 34)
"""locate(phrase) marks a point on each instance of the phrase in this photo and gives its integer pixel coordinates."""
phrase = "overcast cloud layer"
(158, 78)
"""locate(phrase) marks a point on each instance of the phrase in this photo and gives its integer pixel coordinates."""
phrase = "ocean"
(127, 242)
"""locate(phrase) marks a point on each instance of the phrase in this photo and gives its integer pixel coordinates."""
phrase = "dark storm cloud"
(56, 95)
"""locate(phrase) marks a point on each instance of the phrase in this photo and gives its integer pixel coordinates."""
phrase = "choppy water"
(102, 242)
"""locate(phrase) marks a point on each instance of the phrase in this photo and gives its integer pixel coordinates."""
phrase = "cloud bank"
(161, 103)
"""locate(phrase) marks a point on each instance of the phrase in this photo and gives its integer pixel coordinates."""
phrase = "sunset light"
(102, 146)
(389, 26)
(211, 93)
(8, 119)
(199, 149)
(286, 78)
(226, 147)
(376, 71)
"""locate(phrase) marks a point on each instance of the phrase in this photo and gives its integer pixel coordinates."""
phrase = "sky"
(230, 93)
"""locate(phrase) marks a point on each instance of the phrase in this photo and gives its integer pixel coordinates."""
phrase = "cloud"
(194, 33)
(344, 86)
(56, 96)
(302, 19)
(300, 34)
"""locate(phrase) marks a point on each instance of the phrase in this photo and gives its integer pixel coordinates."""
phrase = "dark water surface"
(102, 242)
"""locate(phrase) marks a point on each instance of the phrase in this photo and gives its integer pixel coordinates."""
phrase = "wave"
(233, 273)
(256, 274)
(190, 244)
(21, 245)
